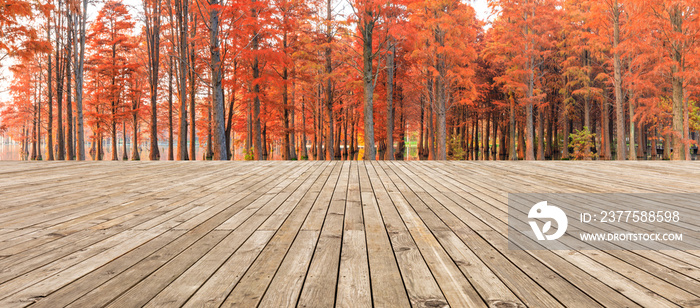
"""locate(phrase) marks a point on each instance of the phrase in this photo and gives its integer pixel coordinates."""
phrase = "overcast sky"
(481, 7)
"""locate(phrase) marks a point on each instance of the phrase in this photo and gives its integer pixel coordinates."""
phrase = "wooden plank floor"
(318, 234)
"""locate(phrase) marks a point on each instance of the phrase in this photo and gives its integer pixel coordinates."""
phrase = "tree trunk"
(35, 123)
(257, 147)
(353, 136)
(421, 134)
(286, 146)
(686, 128)
(153, 49)
(100, 147)
(182, 12)
(653, 153)
(69, 106)
(264, 141)
(49, 128)
(512, 155)
(633, 150)
(475, 142)
(125, 155)
(329, 91)
(60, 138)
(431, 129)
(229, 118)
(521, 141)
(529, 122)
(217, 112)
(667, 146)
(292, 128)
(677, 55)
(486, 152)
(441, 84)
(605, 133)
(540, 133)
(135, 134)
(23, 143)
(345, 134)
(503, 142)
(304, 152)
(587, 118)
(641, 142)
(677, 111)
(79, 79)
(494, 136)
(210, 149)
(337, 155)
(38, 116)
(319, 123)
(115, 103)
(367, 58)
(170, 111)
(619, 108)
(193, 84)
(389, 154)
(401, 150)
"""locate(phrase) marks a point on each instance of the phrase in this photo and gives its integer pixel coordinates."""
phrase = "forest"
(351, 79)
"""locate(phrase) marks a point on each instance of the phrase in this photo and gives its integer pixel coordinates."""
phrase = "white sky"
(481, 7)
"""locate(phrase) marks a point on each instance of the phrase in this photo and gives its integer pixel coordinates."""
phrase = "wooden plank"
(676, 288)
(250, 289)
(321, 279)
(621, 285)
(283, 291)
(59, 248)
(51, 202)
(659, 255)
(143, 292)
(387, 286)
(60, 279)
(107, 292)
(220, 284)
(384, 234)
(420, 284)
(87, 283)
(456, 288)
(488, 285)
(353, 279)
(186, 284)
(457, 216)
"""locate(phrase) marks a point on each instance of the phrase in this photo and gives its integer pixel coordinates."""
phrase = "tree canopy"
(359, 79)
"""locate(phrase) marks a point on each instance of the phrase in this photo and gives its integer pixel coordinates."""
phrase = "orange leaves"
(522, 38)
(20, 36)
(111, 64)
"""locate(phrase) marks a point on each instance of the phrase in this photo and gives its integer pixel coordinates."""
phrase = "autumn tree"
(79, 80)
(21, 37)
(675, 25)
(523, 38)
(449, 30)
(152, 11)
(110, 41)
(367, 14)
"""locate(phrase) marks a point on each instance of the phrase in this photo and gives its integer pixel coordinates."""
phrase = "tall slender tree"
(152, 19)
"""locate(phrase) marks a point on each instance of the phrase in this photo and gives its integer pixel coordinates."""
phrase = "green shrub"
(582, 142)
(455, 149)
(249, 155)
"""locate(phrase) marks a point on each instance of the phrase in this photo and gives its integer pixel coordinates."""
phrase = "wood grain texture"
(321, 234)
